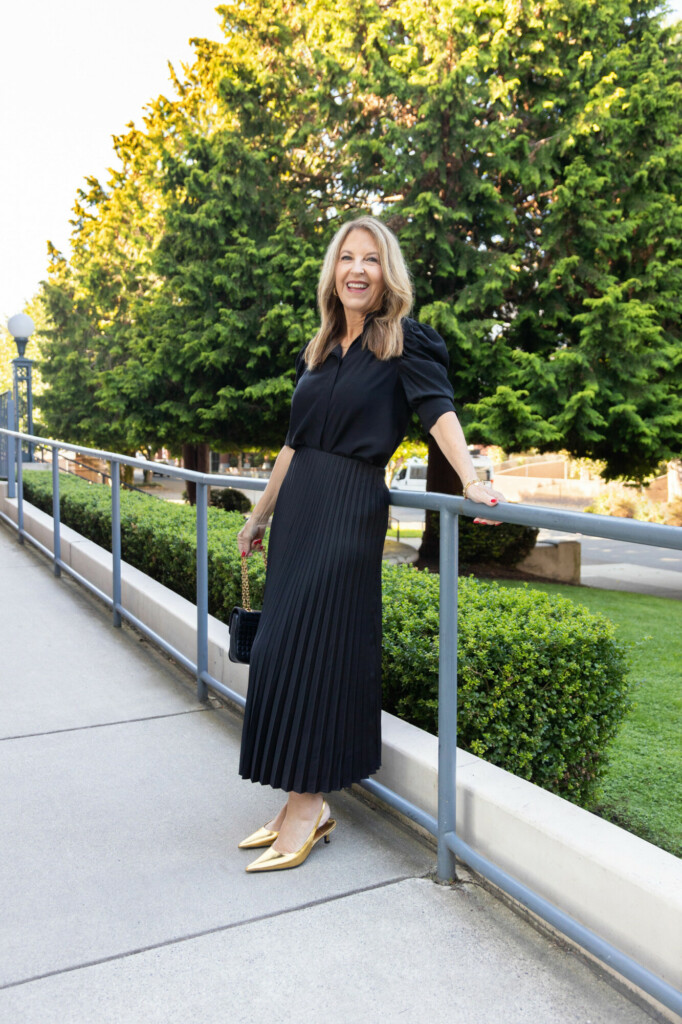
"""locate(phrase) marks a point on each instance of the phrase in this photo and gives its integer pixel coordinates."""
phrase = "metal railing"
(66, 464)
(6, 418)
(450, 845)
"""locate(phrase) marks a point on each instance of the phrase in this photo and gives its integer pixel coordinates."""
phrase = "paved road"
(124, 898)
(619, 565)
(596, 551)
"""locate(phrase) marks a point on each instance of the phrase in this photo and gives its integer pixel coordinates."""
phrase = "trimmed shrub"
(506, 544)
(542, 682)
(230, 499)
(157, 537)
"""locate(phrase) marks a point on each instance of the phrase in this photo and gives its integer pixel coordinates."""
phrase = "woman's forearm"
(265, 505)
(449, 437)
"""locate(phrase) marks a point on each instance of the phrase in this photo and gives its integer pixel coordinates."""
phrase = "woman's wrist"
(259, 518)
(470, 483)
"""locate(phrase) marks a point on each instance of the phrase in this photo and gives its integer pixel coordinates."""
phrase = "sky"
(72, 74)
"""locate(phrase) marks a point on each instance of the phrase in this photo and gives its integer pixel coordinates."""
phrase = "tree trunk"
(440, 477)
(196, 457)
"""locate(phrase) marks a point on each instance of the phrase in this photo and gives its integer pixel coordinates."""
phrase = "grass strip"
(642, 785)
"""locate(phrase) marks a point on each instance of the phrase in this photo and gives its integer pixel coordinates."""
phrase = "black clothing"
(358, 405)
(313, 708)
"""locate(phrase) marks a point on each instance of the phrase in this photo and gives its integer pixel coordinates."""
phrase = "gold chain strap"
(246, 595)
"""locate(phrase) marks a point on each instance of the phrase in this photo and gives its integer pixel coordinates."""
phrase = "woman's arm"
(253, 530)
(449, 437)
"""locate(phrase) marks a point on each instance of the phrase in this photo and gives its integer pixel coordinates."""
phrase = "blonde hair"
(383, 334)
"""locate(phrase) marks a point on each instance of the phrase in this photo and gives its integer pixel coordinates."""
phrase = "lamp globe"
(21, 327)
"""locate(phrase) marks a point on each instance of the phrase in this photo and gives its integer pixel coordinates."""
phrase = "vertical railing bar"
(116, 540)
(56, 517)
(20, 492)
(447, 692)
(202, 587)
(11, 449)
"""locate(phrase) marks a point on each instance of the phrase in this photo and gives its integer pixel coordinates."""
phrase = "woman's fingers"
(248, 544)
(486, 497)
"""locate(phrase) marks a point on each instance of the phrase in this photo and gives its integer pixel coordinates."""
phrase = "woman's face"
(359, 278)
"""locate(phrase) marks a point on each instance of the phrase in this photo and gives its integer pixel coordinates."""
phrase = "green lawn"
(643, 787)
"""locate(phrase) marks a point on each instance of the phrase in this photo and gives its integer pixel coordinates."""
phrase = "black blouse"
(360, 406)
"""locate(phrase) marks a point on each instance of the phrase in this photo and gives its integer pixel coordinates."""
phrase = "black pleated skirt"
(313, 707)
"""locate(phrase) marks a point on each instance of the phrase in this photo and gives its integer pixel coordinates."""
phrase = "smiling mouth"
(357, 286)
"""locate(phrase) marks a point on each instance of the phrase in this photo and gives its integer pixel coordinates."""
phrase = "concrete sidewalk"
(124, 898)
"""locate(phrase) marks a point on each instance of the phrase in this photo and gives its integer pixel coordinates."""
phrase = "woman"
(313, 710)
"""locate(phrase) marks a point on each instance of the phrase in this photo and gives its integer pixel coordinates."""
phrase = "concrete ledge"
(623, 888)
(555, 560)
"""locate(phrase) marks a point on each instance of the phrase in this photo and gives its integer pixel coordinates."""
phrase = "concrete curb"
(554, 560)
(623, 888)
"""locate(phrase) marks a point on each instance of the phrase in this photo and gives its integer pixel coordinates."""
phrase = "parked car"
(412, 474)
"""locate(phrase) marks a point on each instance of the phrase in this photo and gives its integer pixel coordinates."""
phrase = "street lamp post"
(21, 327)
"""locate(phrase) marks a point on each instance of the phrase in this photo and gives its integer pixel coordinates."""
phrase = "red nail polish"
(493, 501)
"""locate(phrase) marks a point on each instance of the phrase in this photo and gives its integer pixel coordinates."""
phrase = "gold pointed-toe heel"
(261, 837)
(273, 860)
(324, 831)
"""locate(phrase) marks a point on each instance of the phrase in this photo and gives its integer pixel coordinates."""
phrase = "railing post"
(56, 518)
(11, 450)
(20, 492)
(116, 540)
(447, 692)
(202, 588)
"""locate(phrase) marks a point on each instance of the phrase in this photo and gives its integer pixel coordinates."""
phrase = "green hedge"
(506, 544)
(542, 682)
(542, 685)
(230, 500)
(158, 537)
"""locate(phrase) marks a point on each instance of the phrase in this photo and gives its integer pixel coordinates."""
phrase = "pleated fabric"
(313, 707)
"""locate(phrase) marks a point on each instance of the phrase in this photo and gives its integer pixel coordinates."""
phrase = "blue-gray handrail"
(450, 508)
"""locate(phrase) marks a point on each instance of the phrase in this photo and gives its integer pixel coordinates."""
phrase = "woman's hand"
(250, 537)
(485, 496)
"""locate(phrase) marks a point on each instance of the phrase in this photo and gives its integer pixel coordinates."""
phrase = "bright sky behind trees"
(71, 75)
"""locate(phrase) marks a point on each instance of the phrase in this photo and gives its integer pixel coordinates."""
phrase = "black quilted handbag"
(243, 622)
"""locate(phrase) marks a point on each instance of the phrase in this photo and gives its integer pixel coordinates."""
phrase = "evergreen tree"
(528, 157)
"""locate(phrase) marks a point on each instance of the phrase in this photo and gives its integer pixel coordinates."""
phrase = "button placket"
(333, 377)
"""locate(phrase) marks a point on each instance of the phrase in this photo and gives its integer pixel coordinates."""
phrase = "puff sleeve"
(423, 372)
